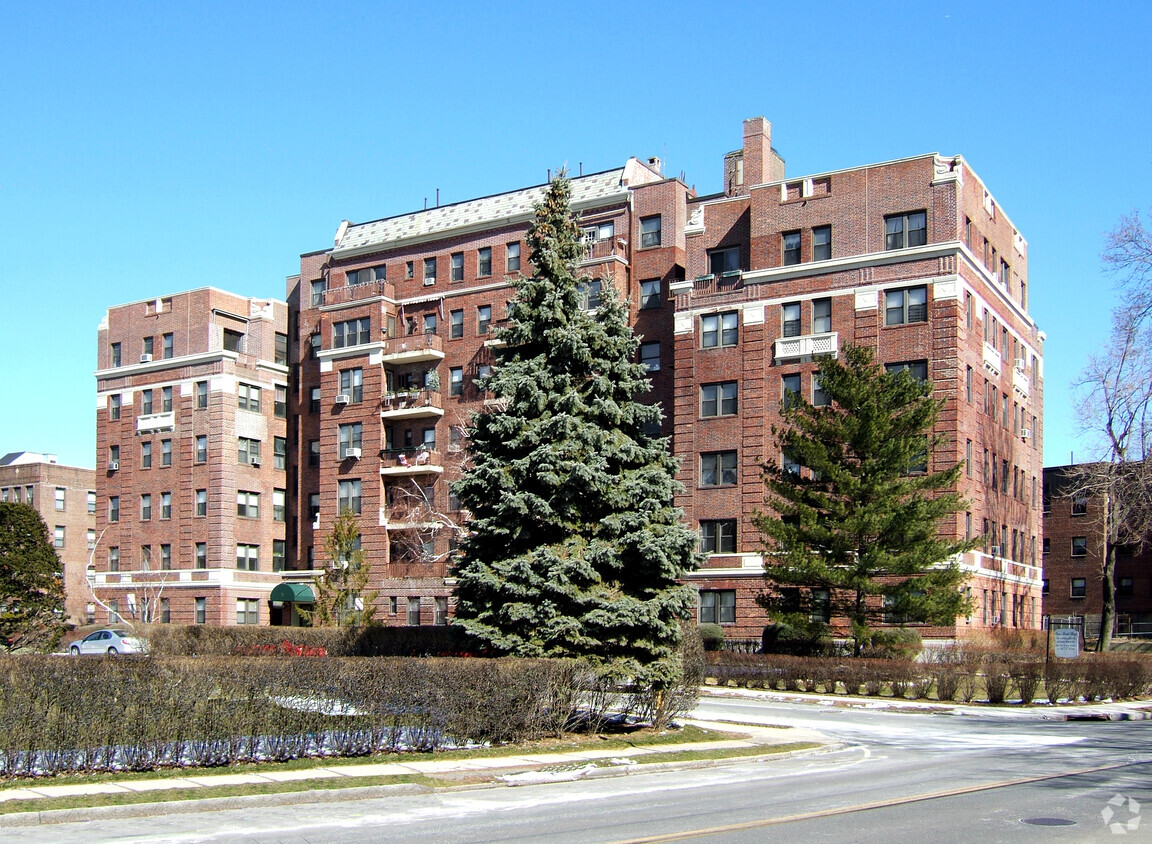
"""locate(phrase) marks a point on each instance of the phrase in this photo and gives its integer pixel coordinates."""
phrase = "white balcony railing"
(1020, 382)
(156, 422)
(807, 346)
(992, 360)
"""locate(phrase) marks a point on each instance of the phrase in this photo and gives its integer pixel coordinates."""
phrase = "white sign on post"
(1067, 642)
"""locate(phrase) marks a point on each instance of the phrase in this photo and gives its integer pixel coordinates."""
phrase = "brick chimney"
(757, 151)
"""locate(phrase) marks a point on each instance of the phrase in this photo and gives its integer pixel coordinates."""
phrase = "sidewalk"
(510, 770)
(1130, 710)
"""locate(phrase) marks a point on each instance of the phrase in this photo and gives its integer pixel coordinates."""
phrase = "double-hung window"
(789, 389)
(483, 319)
(456, 324)
(726, 260)
(349, 495)
(248, 558)
(484, 261)
(650, 356)
(280, 453)
(352, 384)
(247, 451)
(718, 399)
(353, 332)
(904, 230)
(918, 369)
(791, 326)
(350, 437)
(718, 468)
(248, 397)
(650, 293)
(457, 266)
(318, 288)
(718, 606)
(791, 248)
(201, 448)
(512, 257)
(430, 270)
(906, 306)
(821, 243)
(719, 330)
(248, 504)
(718, 536)
(650, 231)
(821, 316)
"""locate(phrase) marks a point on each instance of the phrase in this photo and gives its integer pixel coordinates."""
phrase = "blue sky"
(151, 148)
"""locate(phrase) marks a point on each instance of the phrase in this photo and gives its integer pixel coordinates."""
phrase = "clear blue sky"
(148, 148)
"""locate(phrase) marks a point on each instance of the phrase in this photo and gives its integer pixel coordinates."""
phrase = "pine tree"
(342, 595)
(855, 531)
(31, 581)
(574, 549)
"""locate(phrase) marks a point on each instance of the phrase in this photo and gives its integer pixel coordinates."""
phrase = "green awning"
(299, 593)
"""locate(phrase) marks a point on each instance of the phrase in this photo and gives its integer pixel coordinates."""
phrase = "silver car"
(110, 641)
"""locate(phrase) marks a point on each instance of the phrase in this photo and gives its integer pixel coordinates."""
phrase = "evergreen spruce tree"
(860, 521)
(31, 581)
(574, 548)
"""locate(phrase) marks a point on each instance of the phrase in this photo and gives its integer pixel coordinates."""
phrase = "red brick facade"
(65, 496)
(388, 330)
(191, 416)
(1073, 555)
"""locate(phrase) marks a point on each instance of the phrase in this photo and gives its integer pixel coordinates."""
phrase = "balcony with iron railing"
(602, 250)
(807, 346)
(410, 461)
(357, 292)
(413, 348)
(411, 404)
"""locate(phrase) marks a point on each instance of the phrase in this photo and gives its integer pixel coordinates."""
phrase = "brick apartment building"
(732, 295)
(1073, 555)
(65, 497)
(192, 458)
(913, 259)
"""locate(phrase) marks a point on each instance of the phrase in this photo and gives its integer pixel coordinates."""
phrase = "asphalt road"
(902, 777)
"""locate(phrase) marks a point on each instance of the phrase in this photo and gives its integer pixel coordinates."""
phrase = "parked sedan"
(111, 641)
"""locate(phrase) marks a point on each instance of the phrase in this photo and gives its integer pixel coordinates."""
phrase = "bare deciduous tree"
(1115, 403)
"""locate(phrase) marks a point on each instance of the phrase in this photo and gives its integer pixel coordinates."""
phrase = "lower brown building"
(1074, 553)
(65, 497)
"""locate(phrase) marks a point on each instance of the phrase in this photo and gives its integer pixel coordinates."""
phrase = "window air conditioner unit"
(354, 453)
(113, 465)
(343, 398)
(1026, 433)
(254, 461)
(1020, 364)
(995, 550)
(428, 282)
(145, 358)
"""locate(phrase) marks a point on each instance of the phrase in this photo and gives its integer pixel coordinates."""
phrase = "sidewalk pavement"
(512, 770)
(1128, 710)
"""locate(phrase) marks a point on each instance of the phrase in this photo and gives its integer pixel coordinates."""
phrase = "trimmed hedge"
(959, 673)
(91, 714)
(202, 640)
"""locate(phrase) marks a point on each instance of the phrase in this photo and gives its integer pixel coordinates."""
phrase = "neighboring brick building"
(192, 458)
(911, 258)
(1073, 555)
(65, 496)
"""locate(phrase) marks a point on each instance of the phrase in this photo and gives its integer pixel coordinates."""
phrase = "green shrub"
(898, 643)
(712, 636)
(795, 639)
